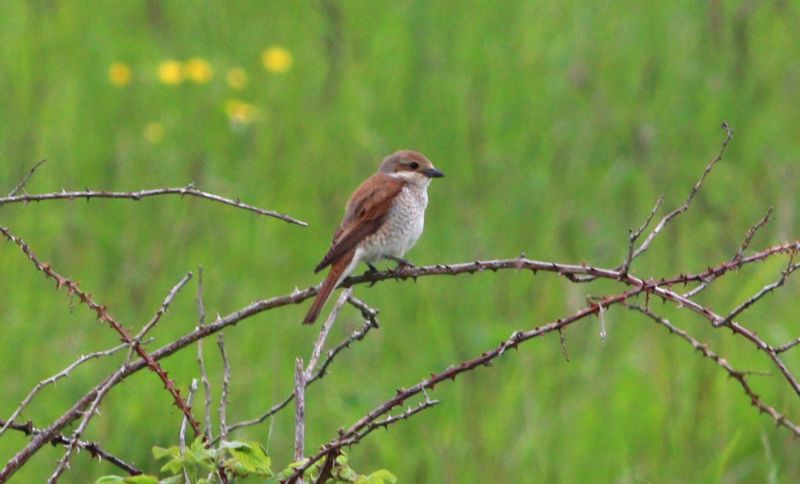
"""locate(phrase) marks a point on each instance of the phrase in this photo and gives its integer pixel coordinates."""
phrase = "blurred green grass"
(558, 125)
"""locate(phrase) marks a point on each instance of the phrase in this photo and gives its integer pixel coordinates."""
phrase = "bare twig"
(189, 400)
(223, 399)
(140, 194)
(164, 306)
(748, 237)
(301, 376)
(103, 315)
(323, 332)
(751, 232)
(93, 448)
(357, 335)
(299, 409)
(201, 320)
(87, 416)
(25, 179)
(761, 293)
(563, 341)
(633, 236)
(62, 374)
(425, 404)
(666, 219)
(332, 449)
(739, 376)
(369, 313)
(787, 346)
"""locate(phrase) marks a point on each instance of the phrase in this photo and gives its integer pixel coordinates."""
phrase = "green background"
(558, 125)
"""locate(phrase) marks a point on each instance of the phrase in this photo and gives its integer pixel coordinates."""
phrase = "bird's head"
(411, 166)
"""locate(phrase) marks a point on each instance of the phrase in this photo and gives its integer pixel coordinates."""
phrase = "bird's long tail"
(337, 273)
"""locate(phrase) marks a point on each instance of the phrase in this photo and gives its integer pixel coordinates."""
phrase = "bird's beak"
(432, 173)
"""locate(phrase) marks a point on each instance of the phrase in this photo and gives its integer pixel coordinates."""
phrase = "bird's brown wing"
(365, 213)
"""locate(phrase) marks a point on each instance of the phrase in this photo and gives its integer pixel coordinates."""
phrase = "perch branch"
(424, 271)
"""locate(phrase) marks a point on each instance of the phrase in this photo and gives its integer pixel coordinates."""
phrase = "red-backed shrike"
(383, 219)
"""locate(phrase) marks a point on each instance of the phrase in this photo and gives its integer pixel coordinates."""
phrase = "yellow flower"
(237, 78)
(240, 112)
(276, 59)
(120, 74)
(170, 72)
(198, 70)
(153, 133)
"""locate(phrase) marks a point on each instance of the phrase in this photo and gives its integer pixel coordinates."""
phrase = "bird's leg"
(400, 262)
(372, 270)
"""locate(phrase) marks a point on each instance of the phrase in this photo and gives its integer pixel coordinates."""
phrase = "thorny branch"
(138, 195)
(93, 448)
(371, 323)
(87, 416)
(738, 375)
(104, 316)
(748, 237)
(403, 273)
(51, 380)
(696, 188)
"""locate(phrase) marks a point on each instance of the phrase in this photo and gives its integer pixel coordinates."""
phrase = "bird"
(383, 219)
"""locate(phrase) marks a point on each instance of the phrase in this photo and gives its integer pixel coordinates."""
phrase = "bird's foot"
(371, 271)
(401, 263)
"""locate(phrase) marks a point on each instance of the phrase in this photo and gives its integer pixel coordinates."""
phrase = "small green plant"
(340, 472)
(238, 460)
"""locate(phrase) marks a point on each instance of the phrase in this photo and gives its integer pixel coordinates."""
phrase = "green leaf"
(161, 452)
(381, 476)
(173, 466)
(346, 474)
(140, 479)
(172, 480)
(249, 458)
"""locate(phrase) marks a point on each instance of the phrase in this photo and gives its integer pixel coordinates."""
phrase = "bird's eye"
(414, 165)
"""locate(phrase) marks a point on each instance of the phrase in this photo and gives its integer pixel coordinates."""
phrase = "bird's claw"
(401, 262)
(369, 272)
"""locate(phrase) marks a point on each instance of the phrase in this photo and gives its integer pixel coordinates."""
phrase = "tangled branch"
(634, 293)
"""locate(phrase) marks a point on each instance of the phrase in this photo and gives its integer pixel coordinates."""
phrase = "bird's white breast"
(402, 227)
